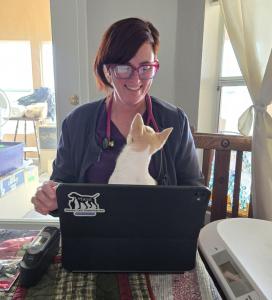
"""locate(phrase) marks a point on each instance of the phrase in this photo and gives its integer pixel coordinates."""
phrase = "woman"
(94, 133)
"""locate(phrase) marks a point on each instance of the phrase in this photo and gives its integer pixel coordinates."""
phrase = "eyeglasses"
(145, 71)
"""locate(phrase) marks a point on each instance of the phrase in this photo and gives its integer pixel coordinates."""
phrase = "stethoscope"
(107, 142)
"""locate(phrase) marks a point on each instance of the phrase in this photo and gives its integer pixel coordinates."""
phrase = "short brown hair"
(120, 43)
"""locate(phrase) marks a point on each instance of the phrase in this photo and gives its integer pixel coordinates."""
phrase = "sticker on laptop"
(83, 205)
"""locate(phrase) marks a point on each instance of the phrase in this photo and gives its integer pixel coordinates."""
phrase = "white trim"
(231, 81)
(30, 224)
(83, 51)
(227, 81)
(219, 63)
(70, 52)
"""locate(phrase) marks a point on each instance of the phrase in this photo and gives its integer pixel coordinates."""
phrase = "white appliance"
(239, 253)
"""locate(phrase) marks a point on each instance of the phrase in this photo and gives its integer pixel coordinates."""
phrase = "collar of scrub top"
(107, 141)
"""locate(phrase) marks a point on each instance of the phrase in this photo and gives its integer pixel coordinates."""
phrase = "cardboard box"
(11, 181)
(48, 137)
(30, 142)
(46, 160)
(16, 203)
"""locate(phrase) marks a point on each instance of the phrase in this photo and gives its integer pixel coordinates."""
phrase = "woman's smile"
(133, 88)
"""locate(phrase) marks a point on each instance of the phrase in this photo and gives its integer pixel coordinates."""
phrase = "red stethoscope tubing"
(150, 116)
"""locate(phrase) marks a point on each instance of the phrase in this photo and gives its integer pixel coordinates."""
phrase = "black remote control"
(39, 256)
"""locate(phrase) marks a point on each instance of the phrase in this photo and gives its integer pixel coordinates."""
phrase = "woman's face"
(132, 91)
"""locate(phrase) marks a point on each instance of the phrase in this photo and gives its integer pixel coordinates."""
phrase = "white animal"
(133, 161)
(78, 201)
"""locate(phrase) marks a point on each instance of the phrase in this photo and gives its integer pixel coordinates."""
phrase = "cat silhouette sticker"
(83, 205)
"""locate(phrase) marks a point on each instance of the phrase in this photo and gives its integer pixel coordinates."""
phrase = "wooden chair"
(219, 147)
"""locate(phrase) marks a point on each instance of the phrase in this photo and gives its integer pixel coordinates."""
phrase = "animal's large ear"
(137, 125)
(163, 136)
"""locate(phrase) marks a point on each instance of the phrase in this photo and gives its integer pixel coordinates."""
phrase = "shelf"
(31, 149)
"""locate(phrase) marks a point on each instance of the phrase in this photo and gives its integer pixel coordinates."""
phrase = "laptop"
(130, 228)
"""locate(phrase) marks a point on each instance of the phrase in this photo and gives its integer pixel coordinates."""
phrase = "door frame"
(70, 54)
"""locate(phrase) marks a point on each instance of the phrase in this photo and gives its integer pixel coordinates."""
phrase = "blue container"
(11, 156)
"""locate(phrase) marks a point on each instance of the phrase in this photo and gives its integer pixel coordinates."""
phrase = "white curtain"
(248, 23)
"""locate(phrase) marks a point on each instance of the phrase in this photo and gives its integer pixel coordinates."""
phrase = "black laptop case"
(130, 228)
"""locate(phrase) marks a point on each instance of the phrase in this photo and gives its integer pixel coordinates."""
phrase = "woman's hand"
(45, 199)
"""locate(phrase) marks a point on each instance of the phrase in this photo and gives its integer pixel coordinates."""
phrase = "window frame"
(225, 81)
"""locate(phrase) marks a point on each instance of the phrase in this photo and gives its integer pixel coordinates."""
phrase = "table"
(57, 283)
(25, 119)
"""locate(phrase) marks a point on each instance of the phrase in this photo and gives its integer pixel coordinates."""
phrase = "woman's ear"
(107, 73)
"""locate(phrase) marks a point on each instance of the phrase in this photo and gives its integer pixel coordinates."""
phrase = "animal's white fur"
(132, 168)
(133, 161)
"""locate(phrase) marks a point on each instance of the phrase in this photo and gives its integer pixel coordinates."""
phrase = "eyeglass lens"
(126, 71)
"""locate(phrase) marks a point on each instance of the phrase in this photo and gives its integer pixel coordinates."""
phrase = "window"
(47, 69)
(233, 91)
(234, 100)
(16, 69)
(25, 65)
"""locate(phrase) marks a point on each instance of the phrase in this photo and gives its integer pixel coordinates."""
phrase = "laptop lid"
(130, 228)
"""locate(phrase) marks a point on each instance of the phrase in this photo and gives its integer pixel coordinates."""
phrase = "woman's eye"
(145, 68)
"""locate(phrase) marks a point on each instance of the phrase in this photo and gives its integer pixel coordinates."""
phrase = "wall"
(180, 24)
(161, 13)
(190, 22)
(209, 97)
(27, 20)
(211, 55)
(181, 28)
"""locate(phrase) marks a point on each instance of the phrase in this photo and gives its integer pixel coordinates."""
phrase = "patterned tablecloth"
(57, 283)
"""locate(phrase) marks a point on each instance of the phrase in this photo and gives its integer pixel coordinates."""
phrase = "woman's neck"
(120, 108)
(122, 114)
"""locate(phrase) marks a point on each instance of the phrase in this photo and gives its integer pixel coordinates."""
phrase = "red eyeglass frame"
(154, 64)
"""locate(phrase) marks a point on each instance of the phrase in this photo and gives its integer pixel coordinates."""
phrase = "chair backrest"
(219, 147)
